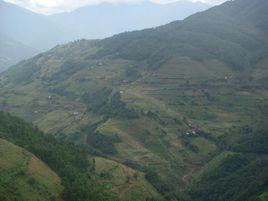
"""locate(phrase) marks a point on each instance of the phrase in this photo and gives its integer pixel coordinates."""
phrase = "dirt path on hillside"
(192, 168)
(188, 174)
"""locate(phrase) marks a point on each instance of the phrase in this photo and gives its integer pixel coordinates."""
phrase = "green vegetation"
(107, 103)
(70, 162)
(105, 144)
(235, 179)
(256, 143)
(129, 184)
(184, 105)
(234, 176)
(24, 177)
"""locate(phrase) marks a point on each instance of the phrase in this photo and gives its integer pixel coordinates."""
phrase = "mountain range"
(12, 51)
(107, 19)
(175, 112)
(40, 32)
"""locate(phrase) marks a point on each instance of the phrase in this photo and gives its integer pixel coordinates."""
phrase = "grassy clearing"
(264, 196)
(205, 147)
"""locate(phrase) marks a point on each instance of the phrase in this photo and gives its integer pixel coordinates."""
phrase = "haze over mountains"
(12, 51)
(176, 112)
(107, 19)
(40, 32)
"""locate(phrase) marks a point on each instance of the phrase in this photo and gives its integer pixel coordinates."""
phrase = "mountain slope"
(163, 101)
(25, 177)
(12, 51)
(83, 176)
(31, 29)
(24, 33)
(215, 34)
(235, 171)
(71, 163)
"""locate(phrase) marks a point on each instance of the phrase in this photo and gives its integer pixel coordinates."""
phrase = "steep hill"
(220, 33)
(163, 101)
(83, 177)
(25, 177)
(127, 183)
(25, 33)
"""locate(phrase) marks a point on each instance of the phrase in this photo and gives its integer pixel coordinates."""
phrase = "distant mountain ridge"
(24, 34)
(106, 19)
(223, 32)
(32, 29)
(12, 51)
(42, 32)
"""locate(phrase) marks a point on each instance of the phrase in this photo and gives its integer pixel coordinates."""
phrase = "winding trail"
(188, 174)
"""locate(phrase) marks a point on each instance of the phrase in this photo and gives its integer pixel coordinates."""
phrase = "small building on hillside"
(100, 64)
(75, 113)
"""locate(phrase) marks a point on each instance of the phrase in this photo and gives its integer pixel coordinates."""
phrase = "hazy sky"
(56, 6)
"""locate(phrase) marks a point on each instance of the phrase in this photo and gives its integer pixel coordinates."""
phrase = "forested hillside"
(68, 161)
(24, 177)
(25, 33)
(184, 105)
(81, 175)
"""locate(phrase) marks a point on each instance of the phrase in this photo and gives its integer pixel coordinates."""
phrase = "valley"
(177, 112)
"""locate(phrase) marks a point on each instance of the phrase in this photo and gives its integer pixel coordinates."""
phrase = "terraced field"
(185, 115)
(126, 182)
(174, 105)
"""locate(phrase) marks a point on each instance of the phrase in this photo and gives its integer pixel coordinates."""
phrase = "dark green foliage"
(117, 107)
(214, 34)
(228, 166)
(186, 141)
(242, 176)
(107, 103)
(236, 179)
(69, 161)
(66, 69)
(103, 143)
(96, 100)
(154, 199)
(152, 176)
(31, 181)
(253, 143)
